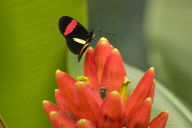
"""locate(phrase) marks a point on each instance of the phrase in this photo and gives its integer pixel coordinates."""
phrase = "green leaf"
(168, 27)
(179, 114)
(31, 49)
(75, 68)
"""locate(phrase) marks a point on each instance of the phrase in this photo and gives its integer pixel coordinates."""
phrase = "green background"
(31, 49)
(146, 33)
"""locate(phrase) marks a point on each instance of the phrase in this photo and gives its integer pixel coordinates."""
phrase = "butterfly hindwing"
(74, 46)
(82, 51)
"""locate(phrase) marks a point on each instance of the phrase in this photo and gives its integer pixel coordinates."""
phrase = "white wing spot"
(81, 41)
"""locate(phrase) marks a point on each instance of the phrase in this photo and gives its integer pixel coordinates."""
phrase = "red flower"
(99, 98)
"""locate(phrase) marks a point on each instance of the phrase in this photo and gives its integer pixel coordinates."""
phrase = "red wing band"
(70, 27)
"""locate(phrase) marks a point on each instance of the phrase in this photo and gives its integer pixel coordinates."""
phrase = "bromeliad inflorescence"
(99, 98)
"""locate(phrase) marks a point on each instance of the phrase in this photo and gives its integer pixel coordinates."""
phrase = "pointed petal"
(142, 116)
(90, 68)
(49, 106)
(83, 123)
(87, 101)
(61, 104)
(112, 111)
(66, 86)
(59, 121)
(160, 121)
(140, 93)
(145, 84)
(113, 72)
(64, 81)
(101, 53)
(152, 93)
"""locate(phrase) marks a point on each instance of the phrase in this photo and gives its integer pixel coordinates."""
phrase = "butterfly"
(77, 37)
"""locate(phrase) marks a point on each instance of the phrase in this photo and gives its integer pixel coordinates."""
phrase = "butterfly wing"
(75, 34)
(82, 51)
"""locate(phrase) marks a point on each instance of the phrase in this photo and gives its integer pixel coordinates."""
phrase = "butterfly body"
(77, 37)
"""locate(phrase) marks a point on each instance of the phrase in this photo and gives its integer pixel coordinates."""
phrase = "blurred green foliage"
(31, 49)
(168, 30)
(123, 19)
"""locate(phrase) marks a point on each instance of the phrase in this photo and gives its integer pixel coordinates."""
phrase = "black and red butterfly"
(77, 37)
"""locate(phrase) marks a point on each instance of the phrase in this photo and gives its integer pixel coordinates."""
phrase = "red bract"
(112, 111)
(99, 98)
